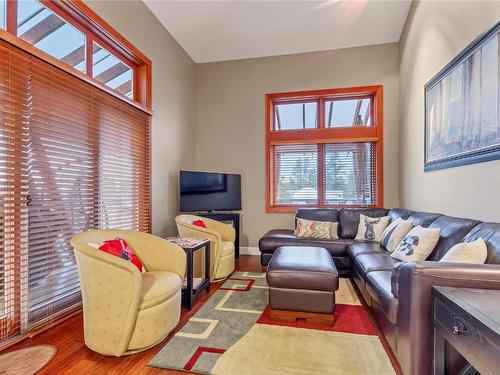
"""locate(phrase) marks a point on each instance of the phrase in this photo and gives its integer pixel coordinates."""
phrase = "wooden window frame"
(95, 29)
(322, 135)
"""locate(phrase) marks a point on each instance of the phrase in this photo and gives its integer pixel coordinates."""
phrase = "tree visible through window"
(324, 148)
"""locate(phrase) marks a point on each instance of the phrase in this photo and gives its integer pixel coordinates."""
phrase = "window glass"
(45, 30)
(3, 12)
(293, 116)
(348, 112)
(348, 173)
(296, 172)
(111, 71)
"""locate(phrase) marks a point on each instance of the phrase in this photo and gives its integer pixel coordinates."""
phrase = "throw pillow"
(316, 229)
(371, 228)
(199, 223)
(394, 233)
(468, 252)
(121, 249)
(417, 244)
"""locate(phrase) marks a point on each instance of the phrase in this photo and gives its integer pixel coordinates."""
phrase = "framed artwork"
(462, 107)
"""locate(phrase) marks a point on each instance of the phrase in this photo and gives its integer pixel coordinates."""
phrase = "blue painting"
(462, 107)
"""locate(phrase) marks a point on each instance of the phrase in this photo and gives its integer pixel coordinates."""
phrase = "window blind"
(325, 174)
(82, 161)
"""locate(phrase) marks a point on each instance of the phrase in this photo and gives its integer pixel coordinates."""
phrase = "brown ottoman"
(302, 283)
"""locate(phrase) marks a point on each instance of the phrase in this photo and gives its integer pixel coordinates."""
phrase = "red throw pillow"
(121, 249)
(199, 223)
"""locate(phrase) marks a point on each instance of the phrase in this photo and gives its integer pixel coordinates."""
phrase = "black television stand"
(234, 217)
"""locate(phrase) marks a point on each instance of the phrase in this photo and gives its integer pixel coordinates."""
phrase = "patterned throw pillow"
(316, 229)
(474, 252)
(394, 233)
(417, 244)
(371, 228)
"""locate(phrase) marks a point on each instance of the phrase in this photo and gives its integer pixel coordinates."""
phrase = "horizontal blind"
(350, 173)
(294, 170)
(124, 169)
(14, 110)
(72, 158)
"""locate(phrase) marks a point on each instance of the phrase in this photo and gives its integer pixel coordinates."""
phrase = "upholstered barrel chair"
(126, 311)
(221, 238)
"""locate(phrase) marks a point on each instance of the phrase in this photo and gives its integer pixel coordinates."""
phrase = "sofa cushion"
(490, 233)
(349, 219)
(365, 263)
(395, 213)
(423, 218)
(318, 214)
(358, 248)
(282, 237)
(378, 284)
(453, 230)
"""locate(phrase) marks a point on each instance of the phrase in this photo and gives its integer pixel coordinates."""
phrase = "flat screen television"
(207, 191)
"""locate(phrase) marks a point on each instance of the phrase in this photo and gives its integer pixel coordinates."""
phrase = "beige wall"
(230, 116)
(173, 135)
(435, 32)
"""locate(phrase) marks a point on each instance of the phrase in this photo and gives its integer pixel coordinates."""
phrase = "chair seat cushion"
(227, 248)
(359, 248)
(365, 263)
(310, 268)
(157, 287)
(378, 284)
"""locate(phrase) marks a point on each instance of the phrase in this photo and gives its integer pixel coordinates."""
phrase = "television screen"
(205, 191)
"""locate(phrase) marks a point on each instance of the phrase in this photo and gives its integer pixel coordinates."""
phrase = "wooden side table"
(469, 321)
(191, 287)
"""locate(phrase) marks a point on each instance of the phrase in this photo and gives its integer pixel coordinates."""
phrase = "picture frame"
(462, 107)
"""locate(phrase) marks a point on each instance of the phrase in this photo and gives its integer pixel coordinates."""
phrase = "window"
(324, 149)
(48, 32)
(74, 156)
(83, 44)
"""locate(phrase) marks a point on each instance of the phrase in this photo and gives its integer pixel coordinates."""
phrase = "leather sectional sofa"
(399, 293)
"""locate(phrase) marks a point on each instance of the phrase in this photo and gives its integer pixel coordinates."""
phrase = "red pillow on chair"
(199, 223)
(121, 249)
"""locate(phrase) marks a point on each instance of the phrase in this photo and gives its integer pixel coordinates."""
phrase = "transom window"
(57, 29)
(324, 149)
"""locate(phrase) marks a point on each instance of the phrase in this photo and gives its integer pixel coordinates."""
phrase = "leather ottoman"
(302, 283)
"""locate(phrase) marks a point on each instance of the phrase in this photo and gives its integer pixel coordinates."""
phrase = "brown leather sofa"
(399, 293)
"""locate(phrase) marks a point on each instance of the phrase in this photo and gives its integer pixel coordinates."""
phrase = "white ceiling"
(228, 30)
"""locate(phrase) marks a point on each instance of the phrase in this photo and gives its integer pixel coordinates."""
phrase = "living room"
(272, 187)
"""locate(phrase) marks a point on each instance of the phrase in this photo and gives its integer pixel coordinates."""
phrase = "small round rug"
(26, 361)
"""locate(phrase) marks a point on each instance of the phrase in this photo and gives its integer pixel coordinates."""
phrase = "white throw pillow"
(467, 252)
(417, 244)
(371, 228)
(394, 233)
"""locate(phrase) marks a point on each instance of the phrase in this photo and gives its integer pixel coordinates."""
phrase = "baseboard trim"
(246, 250)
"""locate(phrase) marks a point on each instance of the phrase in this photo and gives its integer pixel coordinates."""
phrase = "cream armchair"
(221, 238)
(126, 311)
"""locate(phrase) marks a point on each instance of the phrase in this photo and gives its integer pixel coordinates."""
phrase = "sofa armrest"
(412, 283)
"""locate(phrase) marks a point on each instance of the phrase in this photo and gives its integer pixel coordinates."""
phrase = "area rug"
(233, 334)
(27, 361)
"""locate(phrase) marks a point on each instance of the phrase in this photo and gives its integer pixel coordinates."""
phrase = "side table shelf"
(192, 287)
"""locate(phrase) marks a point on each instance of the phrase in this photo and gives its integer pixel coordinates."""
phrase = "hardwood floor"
(73, 357)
